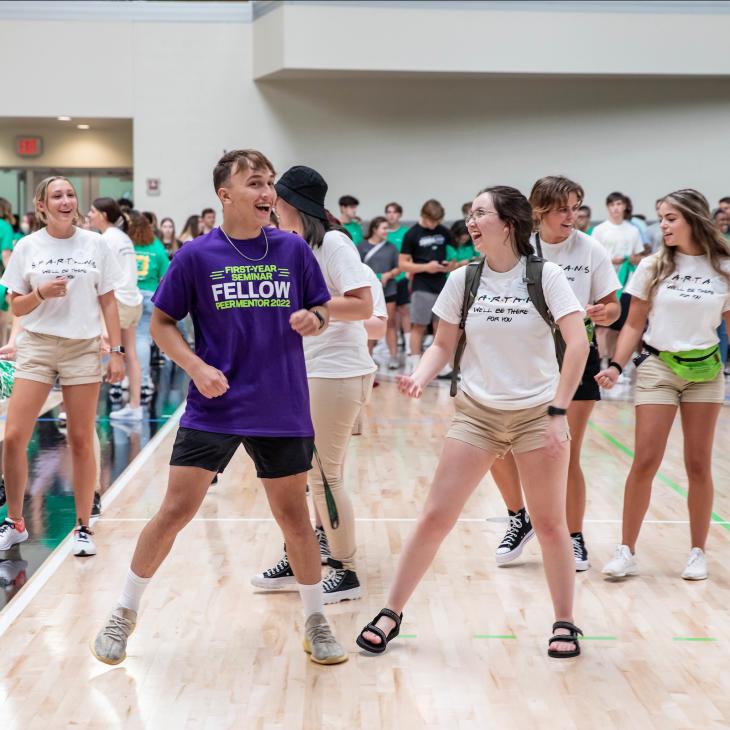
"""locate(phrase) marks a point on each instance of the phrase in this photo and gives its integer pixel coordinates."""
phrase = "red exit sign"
(29, 146)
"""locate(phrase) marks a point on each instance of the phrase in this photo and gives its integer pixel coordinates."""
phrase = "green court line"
(694, 638)
(662, 477)
(494, 636)
(407, 636)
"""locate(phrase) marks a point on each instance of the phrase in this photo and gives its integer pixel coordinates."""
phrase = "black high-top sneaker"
(281, 576)
(579, 551)
(340, 584)
(518, 533)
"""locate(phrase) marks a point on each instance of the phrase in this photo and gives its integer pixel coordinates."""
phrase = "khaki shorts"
(657, 384)
(128, 316)
(44, 358)
(499, 431)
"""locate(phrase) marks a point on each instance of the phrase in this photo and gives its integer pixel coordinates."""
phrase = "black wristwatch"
(614, 364)
(555, 411)
(118, 348)
(319, 317)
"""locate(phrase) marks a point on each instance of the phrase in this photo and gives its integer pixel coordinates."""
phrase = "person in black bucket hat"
(340, 373)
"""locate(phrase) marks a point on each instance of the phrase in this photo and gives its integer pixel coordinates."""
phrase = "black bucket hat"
(304, 189)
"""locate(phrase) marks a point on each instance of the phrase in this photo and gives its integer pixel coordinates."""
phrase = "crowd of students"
(309, 295)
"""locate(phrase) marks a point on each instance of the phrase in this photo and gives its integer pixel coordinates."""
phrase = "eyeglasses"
(477, 214)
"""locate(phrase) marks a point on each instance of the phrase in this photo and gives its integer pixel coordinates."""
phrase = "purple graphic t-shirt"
(240, 310)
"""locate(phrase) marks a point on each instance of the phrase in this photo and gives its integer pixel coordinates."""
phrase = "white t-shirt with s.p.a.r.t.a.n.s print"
(688, 305)
(89, 267)
(509, 361)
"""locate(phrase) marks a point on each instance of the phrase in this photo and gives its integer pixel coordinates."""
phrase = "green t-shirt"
(396, 238)
(7, 236)
(152, 263)
(467, 252)
(355, 231)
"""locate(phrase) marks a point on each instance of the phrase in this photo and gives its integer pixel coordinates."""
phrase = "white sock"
(132, 592)
(407, 342)
(312, 598)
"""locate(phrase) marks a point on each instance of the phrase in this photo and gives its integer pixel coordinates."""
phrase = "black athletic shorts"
(273, 457)
(588, 388)
(621, 321)
(391, 298)
(402, 296)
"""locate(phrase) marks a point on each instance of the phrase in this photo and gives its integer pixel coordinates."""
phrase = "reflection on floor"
(49, 502)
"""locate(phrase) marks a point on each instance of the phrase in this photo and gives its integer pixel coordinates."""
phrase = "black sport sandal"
(363, 643)
(572, 637)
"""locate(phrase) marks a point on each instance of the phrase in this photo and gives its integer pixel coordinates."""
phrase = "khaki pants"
(335, 405)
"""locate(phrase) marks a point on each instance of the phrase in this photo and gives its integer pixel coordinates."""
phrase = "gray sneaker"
(320, 643)
(110, 645)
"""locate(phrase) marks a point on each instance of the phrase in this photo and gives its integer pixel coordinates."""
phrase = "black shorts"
(391, 298)
(588, 388)
(621, 321)
(402, 296)
(273, 457)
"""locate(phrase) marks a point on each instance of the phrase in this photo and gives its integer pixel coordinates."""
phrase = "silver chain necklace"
(243, 255)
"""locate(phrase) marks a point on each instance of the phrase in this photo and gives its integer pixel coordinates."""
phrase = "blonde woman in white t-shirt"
(512, 397)
(555, 202)
(106, 216)
(340, 373)
(60, 278)
(683, 293)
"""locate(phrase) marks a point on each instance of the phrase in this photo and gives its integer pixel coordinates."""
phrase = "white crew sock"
(132, 592)
(312, 598)
(407, 342)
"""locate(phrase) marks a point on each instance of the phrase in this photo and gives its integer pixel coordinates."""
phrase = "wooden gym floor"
(211, 652)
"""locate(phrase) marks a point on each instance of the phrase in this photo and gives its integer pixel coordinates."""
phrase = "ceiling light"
(64, 119)
(83, 126)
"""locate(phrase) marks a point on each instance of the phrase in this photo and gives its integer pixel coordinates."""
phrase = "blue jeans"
(144, 339)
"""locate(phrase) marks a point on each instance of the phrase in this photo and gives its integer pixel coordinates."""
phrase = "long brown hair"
(695, 209)
(139, 228)
(515, 210)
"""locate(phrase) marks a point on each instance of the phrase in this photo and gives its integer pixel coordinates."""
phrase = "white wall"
(189, 89)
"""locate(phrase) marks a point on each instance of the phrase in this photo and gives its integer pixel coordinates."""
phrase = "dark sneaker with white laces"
(579, 552)
(96, 506)
(116, 393)
(324, 546)
(340, 584)
(281, 576)
(518, 533)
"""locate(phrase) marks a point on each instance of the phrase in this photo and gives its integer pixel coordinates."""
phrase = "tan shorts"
(657, 384)
(44, 358)
(499, 431)
(129, 316)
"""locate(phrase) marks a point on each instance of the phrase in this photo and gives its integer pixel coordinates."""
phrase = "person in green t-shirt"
(7, 234)
(396, 232)
(462, 250)
(349, 218)
(152, 264)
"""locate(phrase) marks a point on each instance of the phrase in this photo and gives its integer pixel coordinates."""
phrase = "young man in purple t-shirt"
(253, 292)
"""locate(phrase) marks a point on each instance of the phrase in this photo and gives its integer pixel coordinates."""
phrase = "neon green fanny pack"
(695, 366)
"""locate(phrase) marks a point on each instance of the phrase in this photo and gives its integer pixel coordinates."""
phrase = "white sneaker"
(393, 363)
(411, 364)
(624, 563)
(696, 566)
(127, 414)
(10, 535)
(83, 544)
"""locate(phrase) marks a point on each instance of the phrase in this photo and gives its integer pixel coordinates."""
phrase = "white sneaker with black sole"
(580, 553)
(518, 533)
(280, 577)
(84, 546)
(340, 584)
(10, 534)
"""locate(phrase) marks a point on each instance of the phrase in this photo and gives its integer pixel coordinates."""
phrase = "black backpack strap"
(533, 279)
(471, 286)
(538, 246)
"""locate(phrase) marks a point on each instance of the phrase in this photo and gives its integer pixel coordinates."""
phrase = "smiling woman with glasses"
(512, 397)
